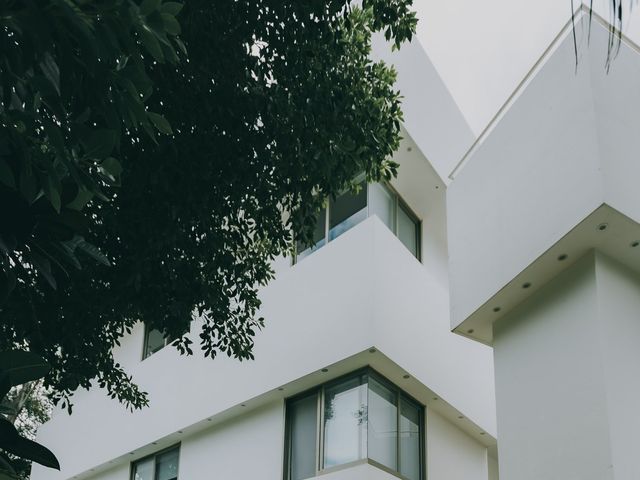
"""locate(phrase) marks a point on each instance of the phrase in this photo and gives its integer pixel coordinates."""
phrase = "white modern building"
(476, 319)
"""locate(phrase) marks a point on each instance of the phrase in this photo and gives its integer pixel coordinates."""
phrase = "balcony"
(362, 292)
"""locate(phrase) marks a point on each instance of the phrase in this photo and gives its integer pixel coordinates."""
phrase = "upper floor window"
(358, 418)
(160, 466)
(154, 340)
(351, 208)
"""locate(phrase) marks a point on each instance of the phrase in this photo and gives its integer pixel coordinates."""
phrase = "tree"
(22, 409)
(276, 106)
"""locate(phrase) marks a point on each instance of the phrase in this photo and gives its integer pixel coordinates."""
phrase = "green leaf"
(160, 122)
(51, 71)
(93, 252)
(112, 167)
(171, 25)
(172, 8)
(18, 367)
(148, 6)
(11, 442)
(43, 266)
(99, 143)
(150, 42)
(6, 175)
(52, 193)
(82, 198)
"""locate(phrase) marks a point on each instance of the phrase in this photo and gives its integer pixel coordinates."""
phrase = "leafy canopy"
(271, 107)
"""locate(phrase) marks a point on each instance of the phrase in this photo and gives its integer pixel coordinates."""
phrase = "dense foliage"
(22, 409)
(275, 106)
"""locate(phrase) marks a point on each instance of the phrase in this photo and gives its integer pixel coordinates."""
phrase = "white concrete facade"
(512, 190)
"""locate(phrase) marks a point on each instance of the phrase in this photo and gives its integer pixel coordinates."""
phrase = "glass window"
(167, 466)
(345, 422)
(408, 230)
(410, 427)
(383, 424)
(347, 210)
(352, 207)
(161, 466)
(143, 470)
(303, 421)
(363, 418)
(154, 340)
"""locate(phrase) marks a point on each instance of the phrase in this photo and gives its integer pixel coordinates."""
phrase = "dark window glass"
(154, 340)
(163, 466)
(410, 439)
(364, 417)
(303, 432)
(347, 210)
(408, 230)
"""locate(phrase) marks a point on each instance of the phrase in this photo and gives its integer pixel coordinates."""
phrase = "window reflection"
(361, 416)
(352, 207)
(345, 422)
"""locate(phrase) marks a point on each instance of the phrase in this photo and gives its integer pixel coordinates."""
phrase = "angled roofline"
(580, 13)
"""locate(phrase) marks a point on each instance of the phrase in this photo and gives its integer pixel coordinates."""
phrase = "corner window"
(154, 340)
(351, 208)
(359, 418)
(160, 466)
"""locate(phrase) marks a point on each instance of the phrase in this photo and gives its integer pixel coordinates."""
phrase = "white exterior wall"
(566, 377)
(362, 290)
(451, 454)
(247, 447)
(250, 446)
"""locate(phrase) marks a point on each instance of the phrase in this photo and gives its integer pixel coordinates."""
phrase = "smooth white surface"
(451, 454)
(564, 147)
(364, 289)
(549, 384)
(431, 115)
(483, 50)
(619, 304)
(251, 446)
(532, 179)
(566, 377)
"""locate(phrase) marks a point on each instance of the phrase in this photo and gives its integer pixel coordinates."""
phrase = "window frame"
(155, 456)
(319, 392)
(398, 202)
(167, 341)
